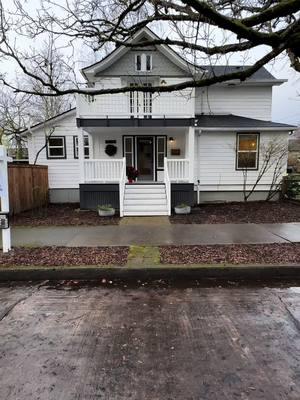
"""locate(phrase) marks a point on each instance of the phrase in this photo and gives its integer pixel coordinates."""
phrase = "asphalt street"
(108, 340)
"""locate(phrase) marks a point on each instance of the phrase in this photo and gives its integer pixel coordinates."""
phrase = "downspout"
(198, 180)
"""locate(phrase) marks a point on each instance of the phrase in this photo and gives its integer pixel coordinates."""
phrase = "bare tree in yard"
(13, 120)
(204, 32)
(273, 160)
(19, 110)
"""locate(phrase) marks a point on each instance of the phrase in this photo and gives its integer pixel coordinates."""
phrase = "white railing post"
(167, 183)
(122, 187)
(190, 152)
(80, 134)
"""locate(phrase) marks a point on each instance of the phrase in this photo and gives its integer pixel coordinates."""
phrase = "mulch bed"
(62, 215)
(59, 256)
(232, 254)
(257, 212)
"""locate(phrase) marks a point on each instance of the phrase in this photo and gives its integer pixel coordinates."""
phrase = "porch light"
(171, 139)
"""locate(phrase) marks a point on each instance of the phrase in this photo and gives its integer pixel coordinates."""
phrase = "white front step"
(144, 213)
(145, 200)
(137, 196)
(139, 186)
(149, 202)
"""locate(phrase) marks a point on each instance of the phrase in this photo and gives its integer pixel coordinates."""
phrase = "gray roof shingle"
(218, 70)
(235, 121)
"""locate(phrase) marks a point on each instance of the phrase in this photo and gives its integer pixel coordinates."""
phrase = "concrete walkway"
(176, 234)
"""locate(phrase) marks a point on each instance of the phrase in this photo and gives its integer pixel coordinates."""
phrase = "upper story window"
(247, 151)
(143, 62)
(56, 147)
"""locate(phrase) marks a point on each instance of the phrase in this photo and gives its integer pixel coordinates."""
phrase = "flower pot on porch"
(182, 209)
(130, 180)
(106, 211)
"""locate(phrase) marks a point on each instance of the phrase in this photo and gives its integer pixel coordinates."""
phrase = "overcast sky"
(286, 97)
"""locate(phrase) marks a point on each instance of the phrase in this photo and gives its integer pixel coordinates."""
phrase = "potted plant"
(132, 174)
(106, 210)
(182, 209)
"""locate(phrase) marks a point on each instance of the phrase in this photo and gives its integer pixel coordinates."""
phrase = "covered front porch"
(163, 155)
(149, 150)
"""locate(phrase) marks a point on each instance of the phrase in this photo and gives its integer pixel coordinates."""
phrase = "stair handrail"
(122, 187)
(167, 183)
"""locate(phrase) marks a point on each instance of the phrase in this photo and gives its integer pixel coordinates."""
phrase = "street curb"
(174, 272)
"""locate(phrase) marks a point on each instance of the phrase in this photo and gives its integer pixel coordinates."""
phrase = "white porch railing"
(103, 170)
(122, 187)
(178, 169)
(167, 183)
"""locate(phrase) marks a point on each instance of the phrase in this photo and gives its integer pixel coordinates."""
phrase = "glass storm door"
(144, 149)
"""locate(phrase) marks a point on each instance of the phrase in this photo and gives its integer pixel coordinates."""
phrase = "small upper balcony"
(136, 105)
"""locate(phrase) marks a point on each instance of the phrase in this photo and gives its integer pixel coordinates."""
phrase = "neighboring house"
(176, 140)
(294, 151)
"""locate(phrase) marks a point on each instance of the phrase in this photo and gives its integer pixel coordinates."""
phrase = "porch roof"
(134, 122)
(236, 122)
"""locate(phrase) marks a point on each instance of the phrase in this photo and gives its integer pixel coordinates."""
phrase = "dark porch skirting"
(92, 195)
(182, 193)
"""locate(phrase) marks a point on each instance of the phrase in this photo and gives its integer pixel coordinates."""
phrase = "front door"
(144, 151)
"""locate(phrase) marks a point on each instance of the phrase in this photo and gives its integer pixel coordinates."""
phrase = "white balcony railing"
(163, 105)
(103, 171)
(178, 170)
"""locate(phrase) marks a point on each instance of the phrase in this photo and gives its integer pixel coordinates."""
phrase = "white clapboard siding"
(63, 173)
(216, 161)
(246, 101)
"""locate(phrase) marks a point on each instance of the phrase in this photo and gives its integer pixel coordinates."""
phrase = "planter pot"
(182, 210)
(106, 213)
(130, 180)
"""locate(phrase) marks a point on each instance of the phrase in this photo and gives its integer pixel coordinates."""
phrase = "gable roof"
(236, 122)
(145, 33)
(52, 119)
(262, 75)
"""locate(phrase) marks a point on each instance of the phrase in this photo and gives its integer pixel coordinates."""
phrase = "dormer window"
(143, 62)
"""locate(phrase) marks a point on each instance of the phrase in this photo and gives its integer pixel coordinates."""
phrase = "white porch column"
(80, 133)
(190, 151)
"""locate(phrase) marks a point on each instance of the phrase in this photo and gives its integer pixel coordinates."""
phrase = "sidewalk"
(146, 234)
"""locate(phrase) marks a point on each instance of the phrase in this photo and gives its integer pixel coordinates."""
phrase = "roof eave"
(246, 129)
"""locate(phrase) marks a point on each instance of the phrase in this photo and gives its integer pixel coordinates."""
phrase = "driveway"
(116, 342)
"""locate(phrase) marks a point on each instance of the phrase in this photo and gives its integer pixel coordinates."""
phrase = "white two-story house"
(180, 142)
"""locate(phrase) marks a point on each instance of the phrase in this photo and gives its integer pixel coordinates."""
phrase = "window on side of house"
(56, 147)
(86, 146)
(143, 62)
(247, 151)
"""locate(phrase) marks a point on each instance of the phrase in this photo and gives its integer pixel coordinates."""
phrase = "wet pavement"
(114, 340)
(155, 235)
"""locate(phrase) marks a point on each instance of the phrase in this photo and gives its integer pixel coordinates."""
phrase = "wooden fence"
(28, 187)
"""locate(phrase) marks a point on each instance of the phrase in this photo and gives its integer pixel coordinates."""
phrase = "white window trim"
(131, 138)
(75, 146)
(160, 168)
(63, 147)
(238, 151)
(143, 62)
